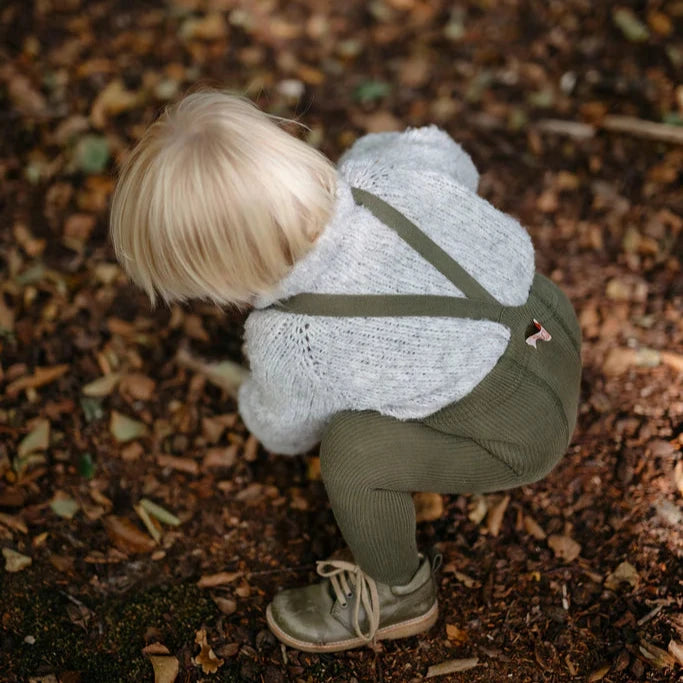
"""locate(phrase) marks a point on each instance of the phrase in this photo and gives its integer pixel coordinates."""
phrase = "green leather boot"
(350, 609)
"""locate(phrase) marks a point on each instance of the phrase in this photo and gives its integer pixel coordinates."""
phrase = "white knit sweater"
(307, 368)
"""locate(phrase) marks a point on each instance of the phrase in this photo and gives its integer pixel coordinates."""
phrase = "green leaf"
(86, 466)
(633, 29)
(92, 408)
(92, 154)
(370, 91)
(160, 513)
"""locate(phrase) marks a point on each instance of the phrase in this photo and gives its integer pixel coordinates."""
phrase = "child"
(397, 318)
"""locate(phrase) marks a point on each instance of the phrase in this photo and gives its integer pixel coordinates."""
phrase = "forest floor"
(577, 577)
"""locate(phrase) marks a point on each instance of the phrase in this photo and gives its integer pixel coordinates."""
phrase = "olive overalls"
(510, 430)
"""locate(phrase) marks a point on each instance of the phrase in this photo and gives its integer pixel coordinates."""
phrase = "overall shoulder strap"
(479, 305)
(423, 245)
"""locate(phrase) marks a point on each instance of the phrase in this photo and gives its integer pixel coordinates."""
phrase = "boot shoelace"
(345, 575)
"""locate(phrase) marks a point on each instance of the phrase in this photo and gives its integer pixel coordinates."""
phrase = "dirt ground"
(576, 578)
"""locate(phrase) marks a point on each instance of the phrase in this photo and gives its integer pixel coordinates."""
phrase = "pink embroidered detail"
(542, 334)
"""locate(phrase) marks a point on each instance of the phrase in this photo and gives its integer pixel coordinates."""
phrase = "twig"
(651, 614)
(662, 132)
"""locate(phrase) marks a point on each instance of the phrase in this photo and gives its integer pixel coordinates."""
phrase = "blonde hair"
(218, 202)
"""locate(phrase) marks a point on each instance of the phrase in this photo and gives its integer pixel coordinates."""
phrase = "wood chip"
(177, 463)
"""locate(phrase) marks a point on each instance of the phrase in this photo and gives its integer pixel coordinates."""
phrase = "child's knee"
(343, 450)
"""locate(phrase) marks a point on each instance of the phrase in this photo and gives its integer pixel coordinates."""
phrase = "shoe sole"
(403, 629)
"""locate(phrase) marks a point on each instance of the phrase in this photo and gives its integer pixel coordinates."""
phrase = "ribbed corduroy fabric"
(509, 431)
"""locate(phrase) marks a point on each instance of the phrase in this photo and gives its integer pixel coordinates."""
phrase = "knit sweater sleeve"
(282, 403)
(425, 148)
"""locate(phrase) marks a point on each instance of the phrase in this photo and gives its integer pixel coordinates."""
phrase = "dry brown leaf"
(165, 668)
(533, 528)
(126, 536)
(564, 547)
(114, 99)
(624, 573)
(599, 674)
(102, 386)
(206, 658)
(38, 439)
(676, 650)
(14, 561)
(477, 509)
(655, 655)
(452, 666)
(220, 579)
(428, 507)
(39, 378)
(155, 649)
(678, 476)
(124, 428)
(455, 634)
(225, 605)
(209, 27)
(494, 518)
(177, 463)
(220, 457)
(13, 522)
(137, 386)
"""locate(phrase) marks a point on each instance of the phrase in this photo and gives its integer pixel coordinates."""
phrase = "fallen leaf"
(13, 522)
(456, 635)
(165, 668)
(494, 518)
(533, 528)
(124, 428)
(655, 655)
(112, 100)
(220, 579)
(210, 27)
(14, 561)
(39, 378)
(102, 386)
(477, 509)
(226, 375)
(206, 658)
(624, 573)
(177, 463)
(64, 506)
(676, 649)
(38, 439)
(598, 674)
(451, 666)
(564, 547)
(153, 528)
(633, 29)
(160, 513)
(428, 507)
(91, 154)
(138, 387)
(225, 605)
(126, 536)
(678, 476)
(220, 457)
